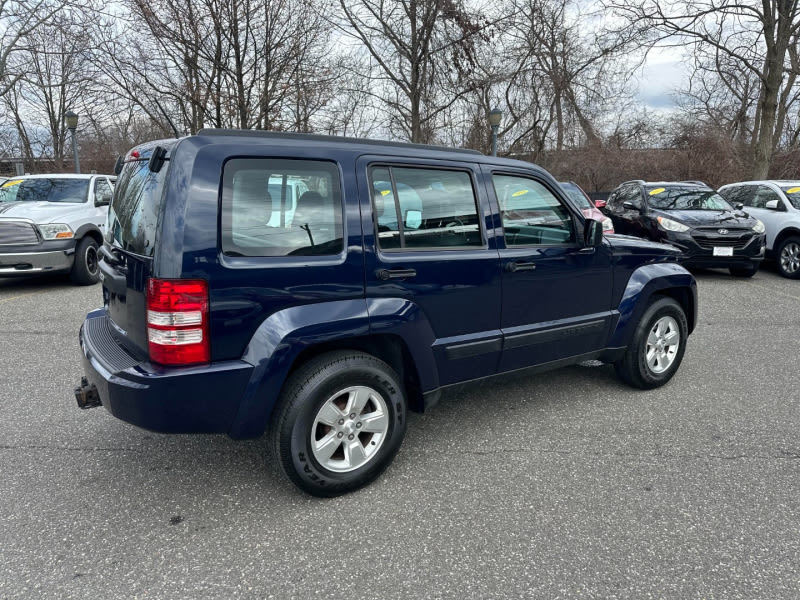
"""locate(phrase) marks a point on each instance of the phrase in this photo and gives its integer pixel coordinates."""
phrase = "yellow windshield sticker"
(386, 192)
(12, 182)
(793, 190)
(656, 191)
(519, 193)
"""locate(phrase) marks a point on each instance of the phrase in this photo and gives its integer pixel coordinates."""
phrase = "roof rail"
(694, 181)
(280, 135)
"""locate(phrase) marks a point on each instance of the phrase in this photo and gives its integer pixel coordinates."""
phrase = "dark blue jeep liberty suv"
(319, 287)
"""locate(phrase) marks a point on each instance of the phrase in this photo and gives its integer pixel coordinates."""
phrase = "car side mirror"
(774, 205)
(104, 200)
(592, 233)
(630, 206)
(600, 203)
(738, 206)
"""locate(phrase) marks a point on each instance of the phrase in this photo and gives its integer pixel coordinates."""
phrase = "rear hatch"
(130, 242)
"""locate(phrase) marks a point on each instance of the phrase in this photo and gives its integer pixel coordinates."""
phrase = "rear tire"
(339, 422)
(656, 349)
(86, 269)
(748, 271)
(788, 257)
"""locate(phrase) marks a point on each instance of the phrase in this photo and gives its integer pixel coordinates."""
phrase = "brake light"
(177, 321)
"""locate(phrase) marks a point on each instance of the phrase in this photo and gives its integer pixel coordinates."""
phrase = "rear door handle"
(386, 274)
(513, 267)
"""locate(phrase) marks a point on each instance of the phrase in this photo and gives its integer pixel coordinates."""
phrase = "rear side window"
(133, 213)
(279, 207)
(424, 208)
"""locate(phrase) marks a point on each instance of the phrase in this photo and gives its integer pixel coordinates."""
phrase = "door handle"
(513, 267)
(386, 274)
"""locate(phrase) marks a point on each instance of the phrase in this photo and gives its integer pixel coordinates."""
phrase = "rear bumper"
(200, 399)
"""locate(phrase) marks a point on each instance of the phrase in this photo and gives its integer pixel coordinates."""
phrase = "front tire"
(656, 349)
(86, 269)
(788, 255)
(339, 422)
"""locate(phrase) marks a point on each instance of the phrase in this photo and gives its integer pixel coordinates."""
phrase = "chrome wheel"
(790, 258)
(662, 346)
(349, 429)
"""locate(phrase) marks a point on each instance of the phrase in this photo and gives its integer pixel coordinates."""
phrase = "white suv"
(53, 223)
(776, 203)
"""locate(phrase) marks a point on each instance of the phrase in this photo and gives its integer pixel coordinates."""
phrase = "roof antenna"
(166, 116)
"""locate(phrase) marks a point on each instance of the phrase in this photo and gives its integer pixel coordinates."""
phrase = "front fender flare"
(646, 281)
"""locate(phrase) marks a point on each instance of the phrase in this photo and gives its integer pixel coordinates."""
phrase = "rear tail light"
(177, 321)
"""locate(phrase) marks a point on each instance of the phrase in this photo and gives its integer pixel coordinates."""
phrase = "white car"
(776, 203)
(52, 224)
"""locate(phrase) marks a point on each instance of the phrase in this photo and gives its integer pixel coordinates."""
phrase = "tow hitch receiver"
(86, 395)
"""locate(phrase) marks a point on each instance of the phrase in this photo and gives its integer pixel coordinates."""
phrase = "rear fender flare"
(276, 344)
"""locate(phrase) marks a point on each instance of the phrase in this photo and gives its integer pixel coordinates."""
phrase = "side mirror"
(774, 205)
(600, 203)
(630, 206)
(738, 206)
(592, 233)
(104, 200)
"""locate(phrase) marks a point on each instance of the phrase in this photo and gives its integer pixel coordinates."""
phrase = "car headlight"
(608, 224)
(759, 227)
(56, 231)
(671, 225)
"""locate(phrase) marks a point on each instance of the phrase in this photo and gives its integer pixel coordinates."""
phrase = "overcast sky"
(661, 75)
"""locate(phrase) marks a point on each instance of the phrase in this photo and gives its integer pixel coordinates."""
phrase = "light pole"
(495, 116)
(71, 119)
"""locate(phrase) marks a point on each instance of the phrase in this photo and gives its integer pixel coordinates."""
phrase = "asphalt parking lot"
(559, 485)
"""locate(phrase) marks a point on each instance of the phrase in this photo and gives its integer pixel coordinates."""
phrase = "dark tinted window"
(274, 207)
(792, 192)
(45, 190)
(424, 208)
(746, 194)
(628, 192)
(532, 215)
(133, 213)
(685, 198)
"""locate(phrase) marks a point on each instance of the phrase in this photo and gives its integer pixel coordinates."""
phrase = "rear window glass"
(281, 207)
(133, 213)
(680, 198)
(45, 190)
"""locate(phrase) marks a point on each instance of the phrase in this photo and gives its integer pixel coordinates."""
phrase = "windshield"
(677, 198)
(792, 192)
(576, 195)
(45, 189)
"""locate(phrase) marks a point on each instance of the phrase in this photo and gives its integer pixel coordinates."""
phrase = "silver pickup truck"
(52, 224)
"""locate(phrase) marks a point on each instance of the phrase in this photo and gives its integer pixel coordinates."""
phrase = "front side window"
(531, 214)
(101, 189)
(280, 207)
(419, 208)
(745, 194)
(764, 195)
(685, 198)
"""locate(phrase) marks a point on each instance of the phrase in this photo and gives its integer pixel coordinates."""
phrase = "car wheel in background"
(657, 347)
(86, 269)
(339, 423)
(788, 257)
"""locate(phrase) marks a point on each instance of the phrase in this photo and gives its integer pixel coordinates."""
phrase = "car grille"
(710, 237)
(18, 233)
